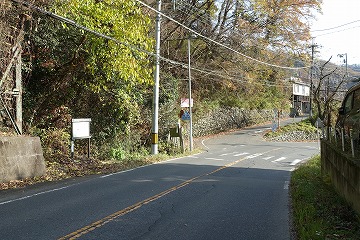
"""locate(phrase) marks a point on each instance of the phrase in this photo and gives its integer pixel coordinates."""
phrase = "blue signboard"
(185, 116)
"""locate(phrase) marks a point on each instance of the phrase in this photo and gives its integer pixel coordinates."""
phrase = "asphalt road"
(236, 189)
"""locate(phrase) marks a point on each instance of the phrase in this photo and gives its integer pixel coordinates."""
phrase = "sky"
(338, 40)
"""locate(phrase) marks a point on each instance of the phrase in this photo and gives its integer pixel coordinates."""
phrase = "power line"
(336, 31)
(327, 29)
(215, 42)
(77, 25)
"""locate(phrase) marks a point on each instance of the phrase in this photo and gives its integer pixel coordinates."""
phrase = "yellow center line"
(82, 231)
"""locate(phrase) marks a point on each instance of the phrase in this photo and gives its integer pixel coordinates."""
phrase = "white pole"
(155, 124)
(19, 117)
(190, 111)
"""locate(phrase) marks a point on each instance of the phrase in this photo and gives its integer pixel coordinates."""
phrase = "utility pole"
(346, 63)
(190, 109)
(18, 87)
(155, 119)
(311, 76)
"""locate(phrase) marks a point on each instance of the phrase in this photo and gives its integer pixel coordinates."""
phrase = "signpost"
(186, 115)
(276, 121)
(80, 130)
(185, 103)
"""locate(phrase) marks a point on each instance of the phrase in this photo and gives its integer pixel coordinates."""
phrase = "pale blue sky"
(338, 40)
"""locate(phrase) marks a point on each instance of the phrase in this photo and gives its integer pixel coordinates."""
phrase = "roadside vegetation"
(318, 211)
(304, 128)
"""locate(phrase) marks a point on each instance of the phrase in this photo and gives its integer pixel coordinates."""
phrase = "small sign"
(185, 102)
(81, 128)
(274, 127)
(185, 116)
(319, 123)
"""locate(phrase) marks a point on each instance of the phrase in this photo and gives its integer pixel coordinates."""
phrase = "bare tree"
(324, 96)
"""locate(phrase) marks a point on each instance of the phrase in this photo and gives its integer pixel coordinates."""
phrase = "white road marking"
(296, 161)
(286, 185)
(279, 159)
(225, 154)
(202, 142)
(241, 154)
(254, 155)
(36, 194)
(218, 159)
(267, 158)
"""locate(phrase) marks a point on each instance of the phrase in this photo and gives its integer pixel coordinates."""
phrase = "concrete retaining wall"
(343, 171)
(20, 157)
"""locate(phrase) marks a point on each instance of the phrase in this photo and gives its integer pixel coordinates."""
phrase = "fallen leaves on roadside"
(64, 167)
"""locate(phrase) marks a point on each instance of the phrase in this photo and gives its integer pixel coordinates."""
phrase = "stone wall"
(20, 157)
(224, 119)
(344, 172)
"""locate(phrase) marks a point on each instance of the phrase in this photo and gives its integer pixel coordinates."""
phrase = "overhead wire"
(77, 25)
(342, 30)
(332, 28)
(218, 43)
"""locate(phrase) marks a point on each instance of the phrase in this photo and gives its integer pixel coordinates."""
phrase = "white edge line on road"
(202, 142)
(36, 194)
(169, 160)
(105, 176)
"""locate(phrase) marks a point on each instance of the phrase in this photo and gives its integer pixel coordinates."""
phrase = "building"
(300, 98)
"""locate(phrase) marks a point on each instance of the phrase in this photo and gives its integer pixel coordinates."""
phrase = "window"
(357, 99)
(348, 102)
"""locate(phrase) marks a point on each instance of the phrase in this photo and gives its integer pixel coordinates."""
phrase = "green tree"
(79, 74)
